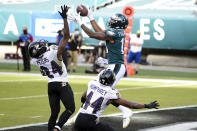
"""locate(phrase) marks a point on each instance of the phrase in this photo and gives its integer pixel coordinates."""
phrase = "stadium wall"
(158, 32)
(172, 60)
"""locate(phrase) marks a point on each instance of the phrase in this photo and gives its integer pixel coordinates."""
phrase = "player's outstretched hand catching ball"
(64, 11)
(151, 105)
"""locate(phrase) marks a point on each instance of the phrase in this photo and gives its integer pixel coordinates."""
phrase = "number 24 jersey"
(50, 66)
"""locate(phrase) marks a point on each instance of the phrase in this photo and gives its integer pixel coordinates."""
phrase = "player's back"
(50, 66)
(115, 51)
(97, 98)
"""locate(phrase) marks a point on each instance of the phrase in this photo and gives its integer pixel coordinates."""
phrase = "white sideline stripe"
(2, 114)
(128, 79)
(20, 74)
(22, 80)
(22, 126)
(77, 93)
(24, 97)
(110, 115)
(28, 97)
(94, 77)
(35, 116)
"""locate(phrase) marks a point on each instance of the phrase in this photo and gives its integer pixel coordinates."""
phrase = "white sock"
(58, 127)
(126, 111)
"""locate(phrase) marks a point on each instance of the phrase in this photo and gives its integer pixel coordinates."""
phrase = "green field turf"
(23, 98)
(10, 67)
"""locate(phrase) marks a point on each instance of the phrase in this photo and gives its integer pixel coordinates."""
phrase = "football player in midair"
(49, 60)
(115, 39)
(97, 97)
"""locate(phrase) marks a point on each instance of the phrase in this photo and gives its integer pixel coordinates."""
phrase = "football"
(83, 10)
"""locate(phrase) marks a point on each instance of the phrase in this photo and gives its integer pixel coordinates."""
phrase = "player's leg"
(27, 59)
(101, 127)
(23, 52)
(130, 59)
(67, 98)
(74, 61)
(73, 119)
(137, 62)
(69, 61)
(84, 122)
(54, 101)
(119, 70)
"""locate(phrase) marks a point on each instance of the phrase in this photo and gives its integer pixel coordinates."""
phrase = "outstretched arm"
(89, 32)
(96, 27)
(134, 105)
(66, 33)
(96, 35)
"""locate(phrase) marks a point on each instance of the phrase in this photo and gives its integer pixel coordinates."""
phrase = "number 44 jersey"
(97, 97)
(50, 66)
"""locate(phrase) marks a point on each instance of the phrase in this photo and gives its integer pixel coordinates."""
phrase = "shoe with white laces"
(127, 119)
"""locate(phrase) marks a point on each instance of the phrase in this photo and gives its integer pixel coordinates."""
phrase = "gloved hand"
(75, 18)
(153, 104)
(90, 15)
(64, 11)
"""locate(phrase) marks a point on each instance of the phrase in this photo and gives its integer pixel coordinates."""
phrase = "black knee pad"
(71, 110)
(114, 104)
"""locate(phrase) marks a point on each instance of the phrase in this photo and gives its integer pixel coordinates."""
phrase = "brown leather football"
(83, 10)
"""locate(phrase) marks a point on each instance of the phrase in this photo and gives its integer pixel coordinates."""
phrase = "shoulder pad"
(114, 94)
(110, 33)
(115, 91)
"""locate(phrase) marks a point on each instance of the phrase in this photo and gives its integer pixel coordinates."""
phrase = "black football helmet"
(107, 77)
(37, 48)
(118, 21)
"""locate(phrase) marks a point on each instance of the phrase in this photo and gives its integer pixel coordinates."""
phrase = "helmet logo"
(118, 21)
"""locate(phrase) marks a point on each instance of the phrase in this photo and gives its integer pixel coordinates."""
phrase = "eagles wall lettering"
(158, 24)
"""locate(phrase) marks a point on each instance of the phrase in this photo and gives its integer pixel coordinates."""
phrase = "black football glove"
(64, 11)
(153, 104)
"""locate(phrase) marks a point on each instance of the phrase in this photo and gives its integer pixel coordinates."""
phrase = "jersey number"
(96, 104)
(122, 46)
(55, 69)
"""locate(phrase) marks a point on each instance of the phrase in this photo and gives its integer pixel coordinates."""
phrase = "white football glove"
(90, 15)
(102, 61)
(75, 18)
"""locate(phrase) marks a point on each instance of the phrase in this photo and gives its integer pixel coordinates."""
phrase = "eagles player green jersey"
(115, 51)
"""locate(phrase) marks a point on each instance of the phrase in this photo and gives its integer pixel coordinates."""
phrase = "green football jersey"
(115, 51)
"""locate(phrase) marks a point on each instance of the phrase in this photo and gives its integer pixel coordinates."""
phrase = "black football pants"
(87, 122)
(60, 91)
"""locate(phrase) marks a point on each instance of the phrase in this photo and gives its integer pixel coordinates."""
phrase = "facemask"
(25, 32)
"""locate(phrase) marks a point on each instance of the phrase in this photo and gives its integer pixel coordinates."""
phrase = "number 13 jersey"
(50, 66)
